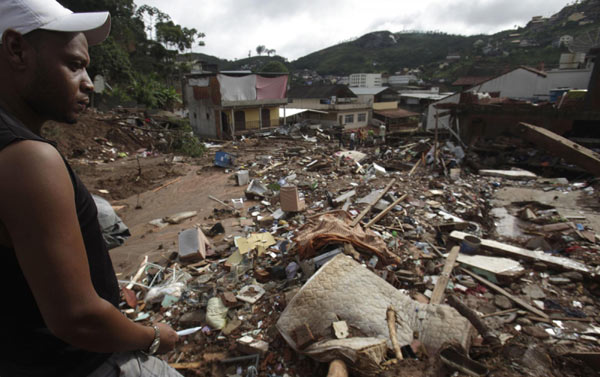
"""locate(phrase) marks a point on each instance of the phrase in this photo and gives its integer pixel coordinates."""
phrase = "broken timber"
(385, 211)
(502, 291)
(562, 147)
(370, 206)
(440, 287)
(559, 263)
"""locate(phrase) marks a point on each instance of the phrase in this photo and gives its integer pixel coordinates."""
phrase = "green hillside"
(482, 55)
(384, 51)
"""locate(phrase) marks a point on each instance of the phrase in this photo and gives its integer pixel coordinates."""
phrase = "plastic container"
(470, 245)
(223, 159)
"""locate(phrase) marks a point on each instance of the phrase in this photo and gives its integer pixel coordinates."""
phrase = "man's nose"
(87, 86)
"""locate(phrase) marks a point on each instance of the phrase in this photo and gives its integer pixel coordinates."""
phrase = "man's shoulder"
(23, 156)
(12, 130)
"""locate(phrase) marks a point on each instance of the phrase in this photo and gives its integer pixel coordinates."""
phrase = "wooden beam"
(414, 167)
(370, 206)
(337, 368)
(561, 147)
(500, 290)
(192, 365)
(552, 261)
(437, 297)
(385, 211)
(391, 322)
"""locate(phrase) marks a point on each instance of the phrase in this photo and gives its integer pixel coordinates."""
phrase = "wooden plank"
(167, 184)
(370, 206)
(500, 290)
(501, 312)
(391, 322)
(385, 211)
(193, 365)
(561, 147)
(560, 263)
(222, 203)
(414, 167)
(440, 287)
(508, 174)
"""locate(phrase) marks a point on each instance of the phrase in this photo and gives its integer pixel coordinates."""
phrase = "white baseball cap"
(28, 15)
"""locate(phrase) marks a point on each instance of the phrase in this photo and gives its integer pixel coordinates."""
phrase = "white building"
(522, 83)
(400, 80)
(565, 40)
(365, 80)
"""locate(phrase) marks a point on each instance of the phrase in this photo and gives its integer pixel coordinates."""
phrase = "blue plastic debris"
(223, 159)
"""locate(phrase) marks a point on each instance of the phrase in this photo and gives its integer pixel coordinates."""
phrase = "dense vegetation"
(138, 68)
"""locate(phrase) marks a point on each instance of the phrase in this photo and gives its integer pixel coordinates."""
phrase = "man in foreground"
(60, 316)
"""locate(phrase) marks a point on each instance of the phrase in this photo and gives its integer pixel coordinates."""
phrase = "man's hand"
(168, 338)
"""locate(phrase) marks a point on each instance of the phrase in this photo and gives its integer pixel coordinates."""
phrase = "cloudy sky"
(298, 27)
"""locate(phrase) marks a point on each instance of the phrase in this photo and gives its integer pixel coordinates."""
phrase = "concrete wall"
(568, 78)
(201, 113)
(355, 123)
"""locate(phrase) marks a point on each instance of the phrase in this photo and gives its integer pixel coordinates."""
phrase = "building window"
(349, 119)
(362, 117)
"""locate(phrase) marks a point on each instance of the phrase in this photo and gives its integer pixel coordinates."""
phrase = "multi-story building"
(365, 80)
(336, 104)
(223, 105)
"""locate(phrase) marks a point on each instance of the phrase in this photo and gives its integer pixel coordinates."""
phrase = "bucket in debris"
(470, 245)
(223, 159)
(242, 177)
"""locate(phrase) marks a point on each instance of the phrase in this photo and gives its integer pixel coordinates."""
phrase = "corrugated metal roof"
(368, 91)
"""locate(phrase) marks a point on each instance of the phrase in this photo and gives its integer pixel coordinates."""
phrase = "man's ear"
(17, 49)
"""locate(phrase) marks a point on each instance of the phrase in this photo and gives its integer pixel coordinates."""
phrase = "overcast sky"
(297, 28)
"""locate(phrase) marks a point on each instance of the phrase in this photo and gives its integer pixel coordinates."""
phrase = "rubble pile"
(380, 260)
(118, 134)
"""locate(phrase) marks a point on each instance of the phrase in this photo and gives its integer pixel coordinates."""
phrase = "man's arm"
(37, 207)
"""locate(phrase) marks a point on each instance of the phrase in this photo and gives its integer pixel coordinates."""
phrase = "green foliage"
(274, 66)
(119, 95)
(111, 61)
(185, 142)
(128, 55)
(167, 98)
(174, 35)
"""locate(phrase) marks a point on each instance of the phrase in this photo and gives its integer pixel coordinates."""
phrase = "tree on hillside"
(260, 49)
(172, 35)
(269, 52)
(152, 16)
(274, 66)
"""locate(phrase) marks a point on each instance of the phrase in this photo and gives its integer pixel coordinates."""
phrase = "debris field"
(284, 254)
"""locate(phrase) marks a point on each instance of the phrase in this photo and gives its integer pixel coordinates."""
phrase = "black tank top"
(27, 348)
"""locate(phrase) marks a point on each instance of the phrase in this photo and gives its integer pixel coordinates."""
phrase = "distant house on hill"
(340, 103)
(453, 56)
(402, 80)
(225, 104)
(365, 80)
(565, 40)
